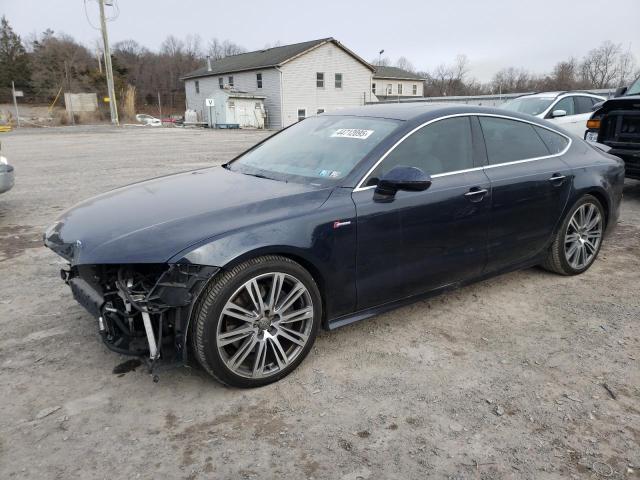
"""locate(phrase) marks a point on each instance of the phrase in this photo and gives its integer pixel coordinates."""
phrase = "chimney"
(208, 63)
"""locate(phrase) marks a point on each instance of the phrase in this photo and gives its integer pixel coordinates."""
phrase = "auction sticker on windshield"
(352, 133)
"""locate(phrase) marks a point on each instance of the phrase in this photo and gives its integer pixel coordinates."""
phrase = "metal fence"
(482, 100)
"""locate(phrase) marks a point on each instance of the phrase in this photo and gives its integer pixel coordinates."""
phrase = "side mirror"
(620, 91)
(559, 113)
(410, 179)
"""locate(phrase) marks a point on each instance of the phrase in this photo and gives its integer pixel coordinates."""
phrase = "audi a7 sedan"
(330, 221)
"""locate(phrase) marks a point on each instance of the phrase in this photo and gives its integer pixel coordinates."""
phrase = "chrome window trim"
(360, 188)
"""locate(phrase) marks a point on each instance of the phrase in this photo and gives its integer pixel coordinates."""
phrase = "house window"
(259, 79)
(302, 113)
(319, 111)
(389, 89)
(373, 88)
(320, 79)
(197, 86)
(399, 89)
(221, 82)
(338, 80)
(415, 89)
(230, 80)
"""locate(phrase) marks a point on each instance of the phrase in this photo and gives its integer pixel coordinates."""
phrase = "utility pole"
(15, 101)
(159, 105)
(113, 107)
(98, 53)
(70, 106)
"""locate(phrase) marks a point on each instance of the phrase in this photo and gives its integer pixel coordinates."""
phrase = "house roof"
(395, 73)
(269, 57)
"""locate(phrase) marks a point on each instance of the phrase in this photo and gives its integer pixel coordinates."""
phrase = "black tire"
(556, 260)
(208, 315)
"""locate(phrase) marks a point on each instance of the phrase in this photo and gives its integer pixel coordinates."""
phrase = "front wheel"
(578, 239)
(255, 323)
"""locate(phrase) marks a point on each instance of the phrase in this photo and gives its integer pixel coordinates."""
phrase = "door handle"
(557, 179)
(476, 194)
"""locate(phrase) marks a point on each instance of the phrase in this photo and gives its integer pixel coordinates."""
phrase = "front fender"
(313, 239)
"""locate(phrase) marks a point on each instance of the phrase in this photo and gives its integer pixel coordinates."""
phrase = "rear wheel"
(256, 323)
(579, 238)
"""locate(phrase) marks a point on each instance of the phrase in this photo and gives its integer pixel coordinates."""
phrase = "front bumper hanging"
(142, 311)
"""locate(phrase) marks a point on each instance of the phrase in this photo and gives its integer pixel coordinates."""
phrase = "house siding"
(243, 81)
(407, 87)
(299, 82)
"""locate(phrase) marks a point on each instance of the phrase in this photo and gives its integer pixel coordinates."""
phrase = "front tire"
(579, 238)
(254, 324)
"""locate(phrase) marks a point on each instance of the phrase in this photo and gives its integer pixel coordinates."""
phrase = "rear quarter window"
(555, 142)
(511, 140)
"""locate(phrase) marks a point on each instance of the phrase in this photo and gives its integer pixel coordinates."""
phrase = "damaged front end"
(142, 309)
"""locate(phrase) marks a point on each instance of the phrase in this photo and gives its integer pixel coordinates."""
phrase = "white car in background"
(569, 110)
(6, 175)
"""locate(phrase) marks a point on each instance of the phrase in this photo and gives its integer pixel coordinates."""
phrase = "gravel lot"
(502, 379)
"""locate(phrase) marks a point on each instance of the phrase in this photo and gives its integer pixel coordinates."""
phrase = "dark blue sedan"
(333, 220)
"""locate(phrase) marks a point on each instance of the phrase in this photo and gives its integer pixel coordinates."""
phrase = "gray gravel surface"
(502, 379)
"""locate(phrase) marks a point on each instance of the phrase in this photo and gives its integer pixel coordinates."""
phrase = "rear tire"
(579, 238)
(254, 324)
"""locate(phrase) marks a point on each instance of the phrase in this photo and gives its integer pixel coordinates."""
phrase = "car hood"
(151, 221)
(631, 102)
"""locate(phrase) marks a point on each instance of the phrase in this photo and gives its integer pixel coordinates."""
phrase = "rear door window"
(584, 105)
(511, 140)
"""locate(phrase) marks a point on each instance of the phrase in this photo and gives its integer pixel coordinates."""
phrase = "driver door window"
(565, 104)
(440, 147)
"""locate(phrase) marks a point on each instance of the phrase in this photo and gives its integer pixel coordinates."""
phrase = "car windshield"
(634, 89)
(318, 150)
(530, 105)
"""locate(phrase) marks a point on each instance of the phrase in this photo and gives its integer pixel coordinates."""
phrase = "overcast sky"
(492, 33)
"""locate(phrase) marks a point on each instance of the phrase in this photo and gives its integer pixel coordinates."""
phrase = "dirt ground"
(502, 379)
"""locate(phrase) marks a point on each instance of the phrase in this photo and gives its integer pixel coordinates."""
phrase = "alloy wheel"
(583, 236)
(265, 325)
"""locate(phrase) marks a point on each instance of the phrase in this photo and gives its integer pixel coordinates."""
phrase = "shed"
(236, 109)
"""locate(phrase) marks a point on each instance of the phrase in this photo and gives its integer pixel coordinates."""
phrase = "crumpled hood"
(151, 221)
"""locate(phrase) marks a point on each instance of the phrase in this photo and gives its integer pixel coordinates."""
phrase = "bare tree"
(600, 66)
(448, 79)
(381, 62)
(460, 68)
(564, 76)
(511, 80)
(192, 47)
(626, 69)
(220, 49)
(275, 44)
(405, 64)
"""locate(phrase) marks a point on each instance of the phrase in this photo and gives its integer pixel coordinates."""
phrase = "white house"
(391, 82)
(296, 81)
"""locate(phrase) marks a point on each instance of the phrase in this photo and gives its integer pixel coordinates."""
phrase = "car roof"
(422, 111)
(561, 93)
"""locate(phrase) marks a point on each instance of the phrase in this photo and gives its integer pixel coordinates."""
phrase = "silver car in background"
(6, 174)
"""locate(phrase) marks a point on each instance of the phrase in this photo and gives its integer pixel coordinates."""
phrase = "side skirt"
(385, 307)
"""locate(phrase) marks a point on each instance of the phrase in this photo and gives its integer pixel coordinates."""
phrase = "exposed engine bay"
(142, 310)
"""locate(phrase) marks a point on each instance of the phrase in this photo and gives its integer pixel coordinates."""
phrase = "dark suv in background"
(616, 123)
